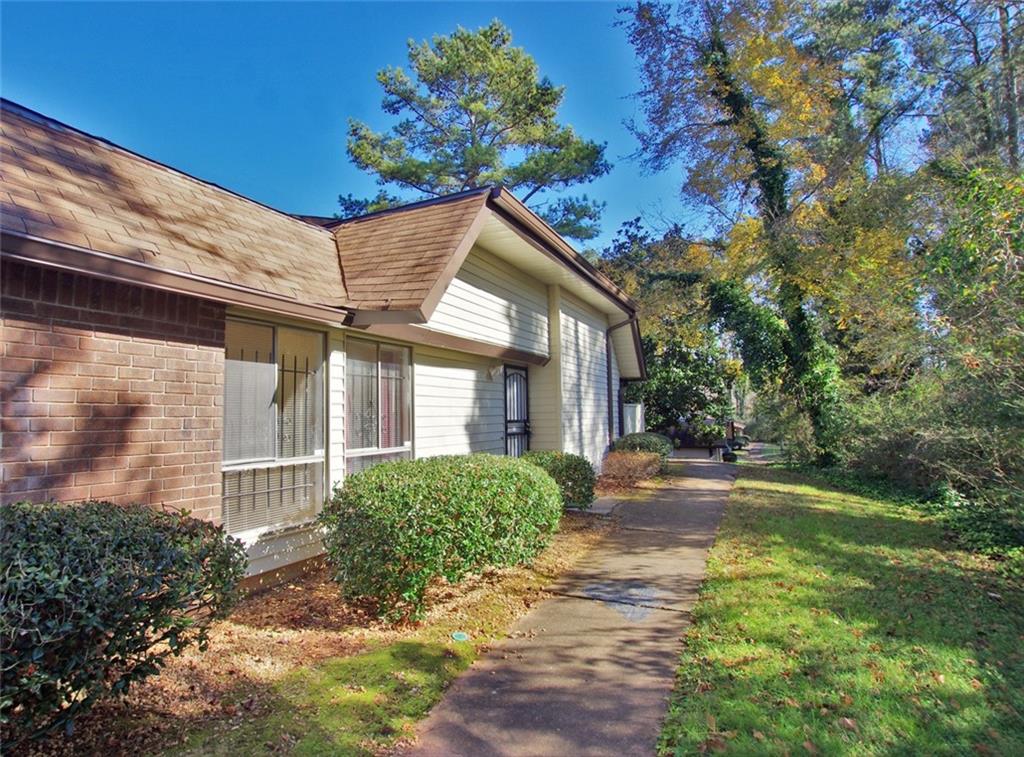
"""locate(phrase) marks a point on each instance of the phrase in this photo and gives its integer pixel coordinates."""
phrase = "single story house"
(170, 342)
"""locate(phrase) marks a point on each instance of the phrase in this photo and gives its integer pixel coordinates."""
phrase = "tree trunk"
(1009, 88)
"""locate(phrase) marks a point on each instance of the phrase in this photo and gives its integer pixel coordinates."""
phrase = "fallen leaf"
(715, 744)
(848, 723)
(758, 735)
(809, 746)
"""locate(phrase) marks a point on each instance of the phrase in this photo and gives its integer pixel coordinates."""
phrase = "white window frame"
(319, 454)
(374, 451)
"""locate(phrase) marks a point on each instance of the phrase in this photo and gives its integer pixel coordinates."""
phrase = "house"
(170, 342)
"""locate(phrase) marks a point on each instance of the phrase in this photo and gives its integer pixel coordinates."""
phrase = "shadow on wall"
(90, 407)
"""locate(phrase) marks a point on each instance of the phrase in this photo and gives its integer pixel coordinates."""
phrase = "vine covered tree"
(474, 111)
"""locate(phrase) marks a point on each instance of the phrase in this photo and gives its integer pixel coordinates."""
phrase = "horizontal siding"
(335, 409)
(458, 407)
(279, 550)
(584, 381)
(493, 302)
(545, 386)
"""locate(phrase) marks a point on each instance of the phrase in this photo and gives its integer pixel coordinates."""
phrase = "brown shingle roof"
(62, 185)
(395, 259)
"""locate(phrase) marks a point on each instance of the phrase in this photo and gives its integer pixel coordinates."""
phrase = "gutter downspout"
(608, 373)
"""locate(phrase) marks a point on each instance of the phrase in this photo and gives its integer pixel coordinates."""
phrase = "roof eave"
(53, 254)
(511, 207)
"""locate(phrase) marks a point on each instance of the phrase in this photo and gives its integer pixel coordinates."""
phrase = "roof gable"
(403, 259)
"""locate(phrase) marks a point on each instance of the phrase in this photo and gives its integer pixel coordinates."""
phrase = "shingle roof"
(66, 186)
(395, 258)
(62, 185)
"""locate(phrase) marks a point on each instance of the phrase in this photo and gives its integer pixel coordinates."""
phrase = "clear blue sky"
(256, 97)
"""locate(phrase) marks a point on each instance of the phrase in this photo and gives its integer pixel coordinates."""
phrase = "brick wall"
(110, 391)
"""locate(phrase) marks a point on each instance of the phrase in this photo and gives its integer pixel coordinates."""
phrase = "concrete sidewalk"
(588, 672)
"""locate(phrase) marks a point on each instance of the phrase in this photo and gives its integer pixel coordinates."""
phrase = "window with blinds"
(378, 391)
(273, 425)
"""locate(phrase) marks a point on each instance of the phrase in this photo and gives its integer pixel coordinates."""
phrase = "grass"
(837, 623)
(354, 705)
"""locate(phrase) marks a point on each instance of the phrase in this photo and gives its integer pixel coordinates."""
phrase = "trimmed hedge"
(392, 529)
(644, 442)
(95, 596)
(573, 473)
(627, 468)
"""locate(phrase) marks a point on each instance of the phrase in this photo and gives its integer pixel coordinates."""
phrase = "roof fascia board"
(112, 267)
(534, 230)
(430, 302)
(373, 317)
(418, 335)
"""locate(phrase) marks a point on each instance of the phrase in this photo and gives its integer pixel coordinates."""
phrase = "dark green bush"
(392, 529)
(644, 442)
(573, 473)
(94, 597)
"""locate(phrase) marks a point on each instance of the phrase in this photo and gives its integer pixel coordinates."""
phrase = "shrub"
(626, 468)
(573, 473)
(644, 442)
(395, 527)
(95, 596)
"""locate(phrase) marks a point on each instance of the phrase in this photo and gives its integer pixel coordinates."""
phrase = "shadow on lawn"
(849, 623)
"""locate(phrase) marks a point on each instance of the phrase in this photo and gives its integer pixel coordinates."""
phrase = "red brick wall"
(110, 391)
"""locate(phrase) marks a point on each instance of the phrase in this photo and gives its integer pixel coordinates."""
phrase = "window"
(273, 425)
(378, 413)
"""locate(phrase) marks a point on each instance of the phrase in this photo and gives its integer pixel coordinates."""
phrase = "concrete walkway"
(588, 671)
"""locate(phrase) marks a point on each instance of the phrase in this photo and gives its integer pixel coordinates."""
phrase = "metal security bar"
(273, 494)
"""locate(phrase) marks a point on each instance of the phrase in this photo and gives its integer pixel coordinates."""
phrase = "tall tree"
(474, 111)
(973, 51)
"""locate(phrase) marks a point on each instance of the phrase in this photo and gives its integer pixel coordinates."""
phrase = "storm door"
(517, 420)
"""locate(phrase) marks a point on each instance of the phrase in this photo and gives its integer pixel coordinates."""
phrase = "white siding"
(458, 403)
(584, 381)
(490, 301)
(335, 409)
(278, 550)
(615, 394)
(545, 386)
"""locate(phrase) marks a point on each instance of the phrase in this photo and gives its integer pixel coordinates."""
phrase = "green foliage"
(682, 382)
(573, 473)
(645, 441)
(394, 528)
(761, 335)
(95, 596)
(704, 432)
(473, 112)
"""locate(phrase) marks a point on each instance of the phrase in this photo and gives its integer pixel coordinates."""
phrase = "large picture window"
(378, 417)
(273, 425)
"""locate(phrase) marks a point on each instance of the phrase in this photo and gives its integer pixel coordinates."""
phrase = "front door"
(517, 420)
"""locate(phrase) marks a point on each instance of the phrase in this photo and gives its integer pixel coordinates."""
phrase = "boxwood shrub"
(392, 529)
(573, 473)
(644, 442)
(94, 597)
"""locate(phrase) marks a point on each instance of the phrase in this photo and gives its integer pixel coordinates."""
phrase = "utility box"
(633, 421)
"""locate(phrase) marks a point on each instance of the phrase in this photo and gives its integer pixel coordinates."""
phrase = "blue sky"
(256, 96)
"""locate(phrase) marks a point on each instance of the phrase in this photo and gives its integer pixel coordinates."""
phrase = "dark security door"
(517, 420)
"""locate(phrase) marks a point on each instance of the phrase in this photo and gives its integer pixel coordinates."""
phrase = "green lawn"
(837, 624)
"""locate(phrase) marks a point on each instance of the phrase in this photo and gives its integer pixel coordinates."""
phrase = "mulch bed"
(277, 631)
